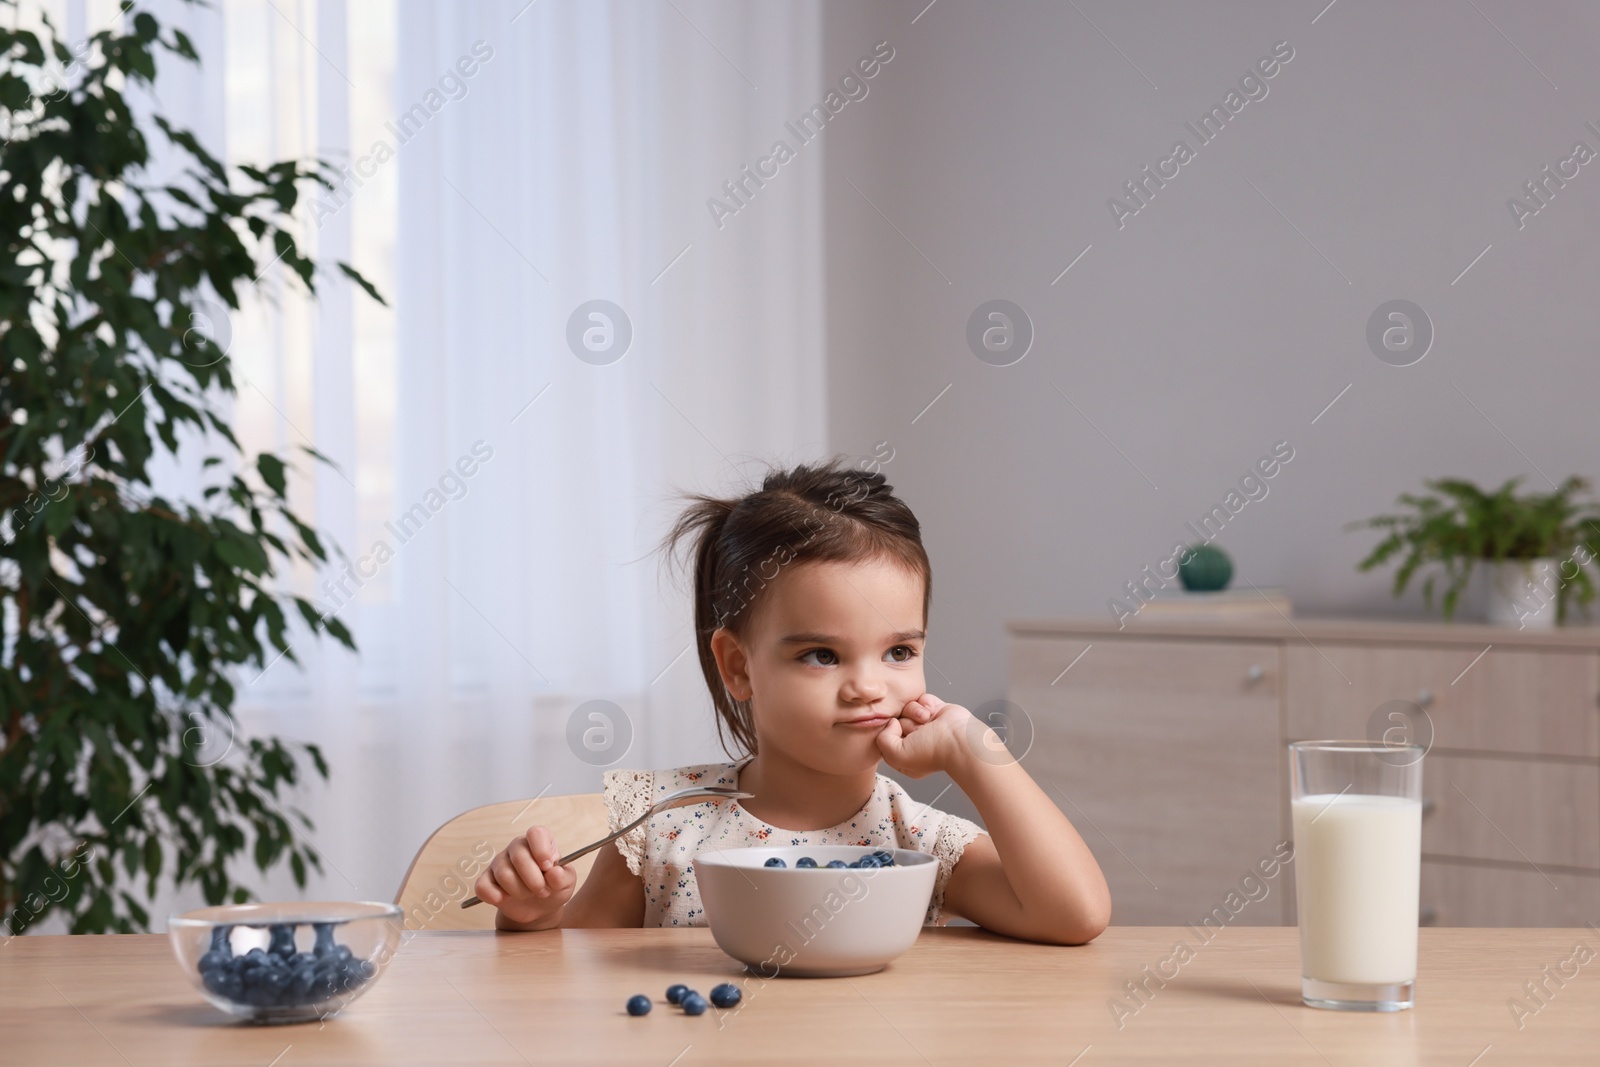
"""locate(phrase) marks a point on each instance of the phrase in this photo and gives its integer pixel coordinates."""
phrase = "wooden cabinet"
(1526, 701)
(1153, 727)
(1459, 894)
(1511, 811)
(1164, 743)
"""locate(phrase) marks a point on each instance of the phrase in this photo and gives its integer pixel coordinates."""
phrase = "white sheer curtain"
(573, 163)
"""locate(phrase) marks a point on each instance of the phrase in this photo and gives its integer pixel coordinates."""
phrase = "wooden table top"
(959, 996)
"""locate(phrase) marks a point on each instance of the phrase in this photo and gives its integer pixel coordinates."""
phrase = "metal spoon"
(667, 801)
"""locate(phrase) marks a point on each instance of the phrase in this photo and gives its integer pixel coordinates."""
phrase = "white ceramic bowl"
(285, 962)
(823, 923)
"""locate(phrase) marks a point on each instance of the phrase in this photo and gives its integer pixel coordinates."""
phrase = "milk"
(1357, 861)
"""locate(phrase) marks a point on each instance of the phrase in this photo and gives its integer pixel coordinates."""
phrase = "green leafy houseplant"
(1460, 525)
(125, 614)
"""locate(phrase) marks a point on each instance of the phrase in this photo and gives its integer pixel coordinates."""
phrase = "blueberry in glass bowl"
(286, 962)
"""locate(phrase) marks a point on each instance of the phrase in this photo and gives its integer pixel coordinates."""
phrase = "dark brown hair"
(822, 512)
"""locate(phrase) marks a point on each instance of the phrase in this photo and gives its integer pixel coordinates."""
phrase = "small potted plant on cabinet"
(1536, 547)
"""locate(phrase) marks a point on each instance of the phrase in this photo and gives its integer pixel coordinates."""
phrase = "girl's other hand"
(524, 882)
(928, 736)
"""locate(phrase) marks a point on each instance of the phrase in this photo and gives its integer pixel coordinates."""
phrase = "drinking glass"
(1357, 809)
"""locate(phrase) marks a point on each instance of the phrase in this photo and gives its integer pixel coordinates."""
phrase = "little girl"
(811, 607)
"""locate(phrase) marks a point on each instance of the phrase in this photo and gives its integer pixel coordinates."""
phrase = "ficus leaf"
(271, 468)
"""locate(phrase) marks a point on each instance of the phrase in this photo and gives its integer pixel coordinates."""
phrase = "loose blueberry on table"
(723, 995)
(281, 977)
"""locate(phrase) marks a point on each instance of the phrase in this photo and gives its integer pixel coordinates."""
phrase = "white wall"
(1207, 328)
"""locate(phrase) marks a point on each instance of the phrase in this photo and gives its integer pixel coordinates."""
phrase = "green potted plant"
(128, 617)
(1536, 546)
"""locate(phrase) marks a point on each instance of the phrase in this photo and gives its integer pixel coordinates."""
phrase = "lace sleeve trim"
(628, 796)
(953, 836)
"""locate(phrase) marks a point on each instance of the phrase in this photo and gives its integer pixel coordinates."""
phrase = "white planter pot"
(1522, 593)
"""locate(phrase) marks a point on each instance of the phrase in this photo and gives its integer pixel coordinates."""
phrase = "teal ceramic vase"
(1206, 569)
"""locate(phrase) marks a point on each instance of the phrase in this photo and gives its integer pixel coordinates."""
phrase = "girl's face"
(834, 653)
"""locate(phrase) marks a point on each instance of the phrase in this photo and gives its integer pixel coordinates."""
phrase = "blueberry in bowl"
(285, 962)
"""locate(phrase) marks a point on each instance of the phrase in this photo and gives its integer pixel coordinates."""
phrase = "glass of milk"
(1357, 809)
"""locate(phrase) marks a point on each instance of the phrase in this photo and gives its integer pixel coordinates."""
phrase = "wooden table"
(959, 996)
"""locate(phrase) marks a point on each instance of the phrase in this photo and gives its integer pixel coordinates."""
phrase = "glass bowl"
(286, 962)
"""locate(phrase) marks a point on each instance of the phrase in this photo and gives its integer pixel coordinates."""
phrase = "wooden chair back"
(447, 865)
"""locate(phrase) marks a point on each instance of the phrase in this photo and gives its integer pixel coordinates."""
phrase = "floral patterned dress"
(661, 851)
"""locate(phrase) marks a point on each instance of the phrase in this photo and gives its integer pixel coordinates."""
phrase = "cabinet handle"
(1255, 673)
(1427, 916)
(1424, 697)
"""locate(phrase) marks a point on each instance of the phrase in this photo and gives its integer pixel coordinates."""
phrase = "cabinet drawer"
(1519, 811)
(1165, 756)
(1534, 701)
(1463, 895)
